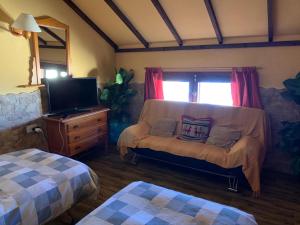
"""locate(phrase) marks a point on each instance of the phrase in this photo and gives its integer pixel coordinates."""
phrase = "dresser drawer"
(82, 134)
(85, 144)
(88, 122)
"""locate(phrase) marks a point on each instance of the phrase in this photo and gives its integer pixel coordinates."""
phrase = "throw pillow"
(224, 137)
(164, 127)
(195, 129)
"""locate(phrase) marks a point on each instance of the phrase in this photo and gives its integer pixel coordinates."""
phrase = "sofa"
(248, 152)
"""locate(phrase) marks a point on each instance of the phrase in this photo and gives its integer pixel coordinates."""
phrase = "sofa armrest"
(131, 136)
(246, 142)
(250, 151)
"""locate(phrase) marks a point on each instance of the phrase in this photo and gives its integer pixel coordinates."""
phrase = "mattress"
(36, 186)
(142, 203)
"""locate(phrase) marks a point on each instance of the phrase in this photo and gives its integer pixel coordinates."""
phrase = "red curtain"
(154, 84)
(245, 87)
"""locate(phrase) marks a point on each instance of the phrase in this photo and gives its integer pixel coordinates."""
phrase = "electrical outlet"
(29, 128)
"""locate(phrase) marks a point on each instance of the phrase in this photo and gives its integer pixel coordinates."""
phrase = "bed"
(36, 186)
(142, 203)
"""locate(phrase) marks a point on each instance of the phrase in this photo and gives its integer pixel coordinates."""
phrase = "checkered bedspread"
(37, 186)
(146, 204)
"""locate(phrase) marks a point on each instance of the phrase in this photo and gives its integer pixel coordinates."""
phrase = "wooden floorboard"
(278, 205)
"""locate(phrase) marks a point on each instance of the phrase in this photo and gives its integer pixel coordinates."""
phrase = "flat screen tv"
(71, 94)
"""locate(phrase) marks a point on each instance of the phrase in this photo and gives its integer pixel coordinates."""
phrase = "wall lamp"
(24, 25)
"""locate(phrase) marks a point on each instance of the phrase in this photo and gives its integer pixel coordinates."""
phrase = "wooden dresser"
(77, 133)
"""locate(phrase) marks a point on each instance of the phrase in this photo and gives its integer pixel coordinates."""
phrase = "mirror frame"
(49, 22)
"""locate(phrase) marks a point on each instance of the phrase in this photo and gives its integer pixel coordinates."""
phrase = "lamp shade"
(26, 22)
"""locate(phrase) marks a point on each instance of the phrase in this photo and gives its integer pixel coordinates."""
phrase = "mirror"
(51, 50)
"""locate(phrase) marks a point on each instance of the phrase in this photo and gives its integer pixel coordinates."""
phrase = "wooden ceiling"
(161, 25)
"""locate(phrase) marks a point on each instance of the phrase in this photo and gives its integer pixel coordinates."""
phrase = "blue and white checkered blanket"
(146, 204)
(37, 186)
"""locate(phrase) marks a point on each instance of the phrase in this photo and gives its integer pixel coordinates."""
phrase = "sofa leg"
(233, 184)
(135, 158)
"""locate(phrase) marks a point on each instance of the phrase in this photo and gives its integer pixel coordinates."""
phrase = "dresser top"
(79, 115)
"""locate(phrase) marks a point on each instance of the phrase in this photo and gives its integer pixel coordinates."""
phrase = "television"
(68, 95)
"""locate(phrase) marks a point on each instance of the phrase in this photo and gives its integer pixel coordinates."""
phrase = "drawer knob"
(99, 120)
(77, 137)
(75, 126)
(77, 147)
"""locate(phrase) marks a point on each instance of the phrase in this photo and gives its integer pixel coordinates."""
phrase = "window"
(214, 93)
(202, 87)
(176, 91)
(53, 71)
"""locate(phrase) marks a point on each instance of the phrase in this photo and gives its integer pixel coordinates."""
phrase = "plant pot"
(115, 129)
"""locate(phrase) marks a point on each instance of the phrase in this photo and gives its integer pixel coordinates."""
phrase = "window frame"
(195, 77)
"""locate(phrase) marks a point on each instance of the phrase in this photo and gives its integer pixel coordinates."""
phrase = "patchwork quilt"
(146, 204)
(36, 186)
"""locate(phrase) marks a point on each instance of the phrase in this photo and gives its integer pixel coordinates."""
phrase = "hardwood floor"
(278, 205)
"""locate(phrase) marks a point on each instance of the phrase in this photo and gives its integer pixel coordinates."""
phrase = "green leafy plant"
(290, 142)
(290, 132)
(116, 95)
(292, 89)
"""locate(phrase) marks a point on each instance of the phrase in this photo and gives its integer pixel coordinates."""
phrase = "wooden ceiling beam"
(167, 21)
(270, 20)
(127, 22)
(214, 20)
(54, 35)
(86, 19)
(52, 47)
(215, 46)
(44, 42)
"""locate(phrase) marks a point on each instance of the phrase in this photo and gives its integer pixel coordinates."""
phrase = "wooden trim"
(214, 20)
(215, 46)
(86, 19)
(270, 20)
(167, 21)
(54, 35)
(49, 22)
(36, 61)
(68, 52)
(127, 22)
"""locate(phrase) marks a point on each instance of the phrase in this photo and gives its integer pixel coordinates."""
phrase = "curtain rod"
(205, 68)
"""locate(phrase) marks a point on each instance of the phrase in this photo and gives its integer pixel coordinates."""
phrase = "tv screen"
(71, 94)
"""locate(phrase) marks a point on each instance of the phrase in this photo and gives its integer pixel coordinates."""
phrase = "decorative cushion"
(224, 137)
(164, 127)
(194, 129)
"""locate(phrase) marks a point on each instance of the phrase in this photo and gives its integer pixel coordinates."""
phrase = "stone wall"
(277, 108)
(16, 112)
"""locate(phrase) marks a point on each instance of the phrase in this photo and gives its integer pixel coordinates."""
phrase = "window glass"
(214, 93)
(63, 74)
(51, 73)
(176, 91)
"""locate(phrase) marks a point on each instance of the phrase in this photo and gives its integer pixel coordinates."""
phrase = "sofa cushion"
(224, 137)
(195, 129)
(164, 127)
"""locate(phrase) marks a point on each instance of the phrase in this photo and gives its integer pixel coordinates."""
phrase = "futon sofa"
(248, 152)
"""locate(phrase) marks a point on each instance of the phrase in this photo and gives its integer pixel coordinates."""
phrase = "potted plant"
(290, 132)
(116, 95)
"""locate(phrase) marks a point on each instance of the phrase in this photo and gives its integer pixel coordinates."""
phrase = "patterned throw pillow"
(194, 129)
